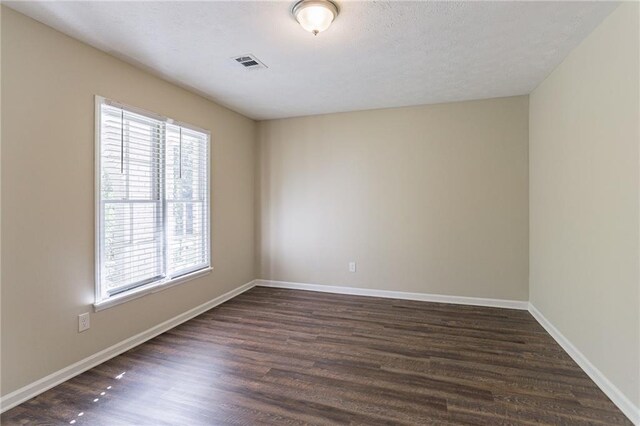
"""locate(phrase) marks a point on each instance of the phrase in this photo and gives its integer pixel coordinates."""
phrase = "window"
(152, 202)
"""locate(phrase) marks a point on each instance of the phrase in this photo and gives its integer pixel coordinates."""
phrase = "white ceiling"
(376, 54)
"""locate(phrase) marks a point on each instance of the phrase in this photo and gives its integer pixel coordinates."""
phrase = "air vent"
(249, 62)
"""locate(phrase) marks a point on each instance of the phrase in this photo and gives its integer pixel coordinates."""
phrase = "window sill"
(147, 289)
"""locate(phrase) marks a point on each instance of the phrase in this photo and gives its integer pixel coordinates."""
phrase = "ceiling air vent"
(249, 62)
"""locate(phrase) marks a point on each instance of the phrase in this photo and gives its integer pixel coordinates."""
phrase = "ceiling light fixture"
(315, 16)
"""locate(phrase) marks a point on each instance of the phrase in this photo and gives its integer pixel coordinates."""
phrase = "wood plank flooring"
(274, 356)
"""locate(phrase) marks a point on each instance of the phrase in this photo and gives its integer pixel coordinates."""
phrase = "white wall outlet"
(352, 266)
(83, 322)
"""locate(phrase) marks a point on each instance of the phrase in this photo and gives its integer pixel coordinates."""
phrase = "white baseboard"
(424, 297)
(27, 392)
(617, 397)
(33, 389)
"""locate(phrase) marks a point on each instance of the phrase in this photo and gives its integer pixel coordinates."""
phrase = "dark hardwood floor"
(292, 357)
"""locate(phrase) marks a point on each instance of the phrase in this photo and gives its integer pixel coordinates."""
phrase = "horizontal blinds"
(186, 195)
(153, 200)
(131, 199)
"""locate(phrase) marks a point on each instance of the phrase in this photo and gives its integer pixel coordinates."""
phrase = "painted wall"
(584, 136)
(48, 85)
(429, 199)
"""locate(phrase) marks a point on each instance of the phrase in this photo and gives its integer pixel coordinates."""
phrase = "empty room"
(319, 212)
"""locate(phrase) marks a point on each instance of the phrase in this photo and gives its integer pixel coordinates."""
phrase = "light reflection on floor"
(103, 393)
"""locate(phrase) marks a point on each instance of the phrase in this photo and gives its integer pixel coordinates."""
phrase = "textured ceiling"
(376, 54)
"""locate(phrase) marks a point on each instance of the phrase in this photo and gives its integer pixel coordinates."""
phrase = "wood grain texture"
(275, 356)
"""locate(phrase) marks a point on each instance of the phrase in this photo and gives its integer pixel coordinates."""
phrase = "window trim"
(156, 286)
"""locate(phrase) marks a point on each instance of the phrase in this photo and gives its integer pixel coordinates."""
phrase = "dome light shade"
(315, 16)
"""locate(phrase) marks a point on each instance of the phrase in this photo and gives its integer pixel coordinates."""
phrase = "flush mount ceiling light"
(315, 16)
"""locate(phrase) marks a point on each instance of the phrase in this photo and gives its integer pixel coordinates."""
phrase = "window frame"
(140, 290)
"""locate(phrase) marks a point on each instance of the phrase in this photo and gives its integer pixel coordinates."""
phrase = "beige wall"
(584, 135)
(48, 85)
(1, 9)
(429, 199)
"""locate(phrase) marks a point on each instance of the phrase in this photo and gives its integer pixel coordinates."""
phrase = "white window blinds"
(154, 204)
(186, 196)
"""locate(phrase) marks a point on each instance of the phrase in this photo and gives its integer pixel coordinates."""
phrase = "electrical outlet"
(83, 322)
(352, 266)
